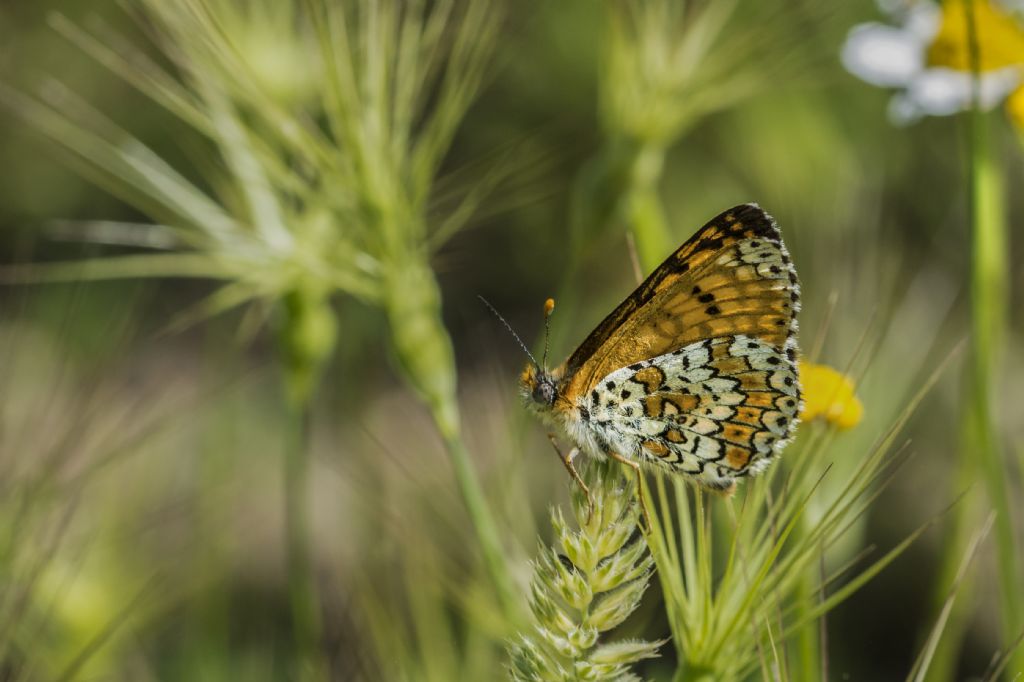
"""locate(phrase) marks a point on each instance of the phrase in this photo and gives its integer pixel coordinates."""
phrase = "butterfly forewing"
(733, 276)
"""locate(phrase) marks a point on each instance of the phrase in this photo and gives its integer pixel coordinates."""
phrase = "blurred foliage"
(140, 507)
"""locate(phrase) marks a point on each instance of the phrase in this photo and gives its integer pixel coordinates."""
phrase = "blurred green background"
(140, 494)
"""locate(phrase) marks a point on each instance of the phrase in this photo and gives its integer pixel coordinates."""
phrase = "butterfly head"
(539, 387)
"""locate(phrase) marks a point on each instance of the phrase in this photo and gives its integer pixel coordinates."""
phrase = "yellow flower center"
(1000, 37)
(830, 395)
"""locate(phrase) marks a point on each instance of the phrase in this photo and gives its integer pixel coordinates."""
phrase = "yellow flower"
(830, 395)
(1015, 107)
(1000, 38)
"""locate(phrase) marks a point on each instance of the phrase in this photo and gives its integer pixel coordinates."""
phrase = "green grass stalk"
(943, 664)
(307, 339)
(979, 450)
(483, 523)
(302, 593)
(644, 210)
(424, 351)
(808, 640)
(924, 660)
(616, 188)
(619, 188)
(989, 286)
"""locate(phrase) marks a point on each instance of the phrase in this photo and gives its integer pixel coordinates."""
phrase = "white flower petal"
(920, 17)
(922, 21)
(903, 111)
(897, 9)
(882, 55)
(941, 92)
(996, 86)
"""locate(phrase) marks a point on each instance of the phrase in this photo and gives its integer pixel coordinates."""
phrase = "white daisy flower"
(926, 57)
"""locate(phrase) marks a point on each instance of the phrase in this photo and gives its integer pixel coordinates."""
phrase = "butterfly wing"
(714, 409)
(734, 276)
(696, 369)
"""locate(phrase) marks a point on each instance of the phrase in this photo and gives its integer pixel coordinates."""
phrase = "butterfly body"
(696, 371)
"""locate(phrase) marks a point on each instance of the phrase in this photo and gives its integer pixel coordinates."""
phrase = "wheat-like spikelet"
(585, 585)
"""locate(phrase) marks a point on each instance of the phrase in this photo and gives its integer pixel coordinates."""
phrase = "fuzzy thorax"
(544, 395)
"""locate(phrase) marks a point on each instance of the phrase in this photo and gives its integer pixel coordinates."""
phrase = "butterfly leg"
(639, 485)
(571, 468)
(726, 492)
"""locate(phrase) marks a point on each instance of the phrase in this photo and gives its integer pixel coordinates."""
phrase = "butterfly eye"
(544, 392)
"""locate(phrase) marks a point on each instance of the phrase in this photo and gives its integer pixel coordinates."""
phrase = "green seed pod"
(616, 606)
(624, 652)
(421, 342)
(588, 583)
(308, 333)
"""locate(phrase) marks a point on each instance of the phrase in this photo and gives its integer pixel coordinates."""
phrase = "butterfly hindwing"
(714, 409)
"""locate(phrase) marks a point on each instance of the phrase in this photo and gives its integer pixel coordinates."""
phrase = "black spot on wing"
(713, 244)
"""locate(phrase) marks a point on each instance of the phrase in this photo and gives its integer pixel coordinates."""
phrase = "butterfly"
(696, 371)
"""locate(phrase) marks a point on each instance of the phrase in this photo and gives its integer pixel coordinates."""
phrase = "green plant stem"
(943, 665)
(989, 278)
(306, 340)
(424, 350)
(808, 640)
(614, 191)
(989, 286)
(979, 450)
(483, 524)
(692, 673)
(644, 212)
(302, 596)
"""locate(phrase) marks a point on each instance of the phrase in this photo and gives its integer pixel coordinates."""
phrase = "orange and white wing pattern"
(696, 370)
(715, 409)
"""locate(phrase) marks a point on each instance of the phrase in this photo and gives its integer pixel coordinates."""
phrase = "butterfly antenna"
(549, 307)
(509, 328)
